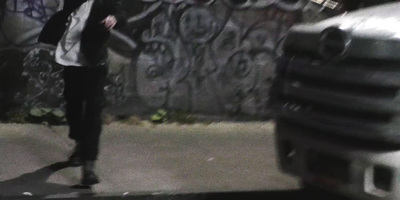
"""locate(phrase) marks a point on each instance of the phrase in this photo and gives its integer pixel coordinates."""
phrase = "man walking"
(80, 32)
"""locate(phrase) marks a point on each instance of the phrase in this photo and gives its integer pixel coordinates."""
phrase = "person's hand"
(109, 22)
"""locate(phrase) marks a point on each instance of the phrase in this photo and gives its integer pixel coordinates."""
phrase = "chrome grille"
(348, 98)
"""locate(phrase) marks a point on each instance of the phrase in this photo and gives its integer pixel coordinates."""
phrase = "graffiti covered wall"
(26, 76)
(201, 56)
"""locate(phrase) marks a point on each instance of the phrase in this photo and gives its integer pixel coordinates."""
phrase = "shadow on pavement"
(255, 195)
(274, 195)
(35, 183)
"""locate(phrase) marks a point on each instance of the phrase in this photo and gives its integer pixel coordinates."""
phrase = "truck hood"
(372, 32)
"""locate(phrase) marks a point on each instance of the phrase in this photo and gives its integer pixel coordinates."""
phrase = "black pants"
(84, 94)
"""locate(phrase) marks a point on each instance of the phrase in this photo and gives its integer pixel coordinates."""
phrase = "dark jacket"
(94, 35)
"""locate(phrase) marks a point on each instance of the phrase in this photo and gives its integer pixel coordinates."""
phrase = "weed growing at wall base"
(162, 116)
(51, 116)
(46, 116)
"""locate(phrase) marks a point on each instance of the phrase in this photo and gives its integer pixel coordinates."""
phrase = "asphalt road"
(200, 161)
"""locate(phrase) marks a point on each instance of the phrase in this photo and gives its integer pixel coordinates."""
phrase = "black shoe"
(89, 176)
(75, 159)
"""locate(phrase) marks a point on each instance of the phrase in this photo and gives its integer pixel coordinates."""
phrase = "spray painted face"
(249, 3)
(284, 4)
(202, 2)
(197, 25)
(227, 42)
(238, 78)
(154, 70)
(45, 83)
(261, 36)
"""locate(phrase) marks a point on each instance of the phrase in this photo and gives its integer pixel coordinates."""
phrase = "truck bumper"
(357, 171)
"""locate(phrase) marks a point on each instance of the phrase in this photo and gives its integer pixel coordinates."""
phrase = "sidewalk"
(143, 159)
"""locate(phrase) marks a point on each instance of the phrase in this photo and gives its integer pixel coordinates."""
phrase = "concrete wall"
(213, 57)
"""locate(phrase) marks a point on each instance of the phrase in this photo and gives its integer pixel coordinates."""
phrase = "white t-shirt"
(68, 49)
